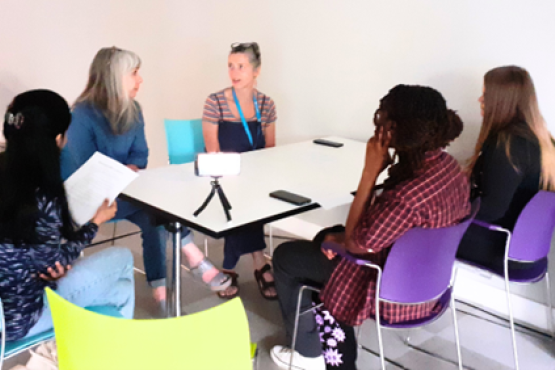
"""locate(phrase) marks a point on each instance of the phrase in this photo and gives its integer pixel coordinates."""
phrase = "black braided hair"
(422, 123)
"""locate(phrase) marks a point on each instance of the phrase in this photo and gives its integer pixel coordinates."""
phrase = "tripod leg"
(203, 206)
(225, 203)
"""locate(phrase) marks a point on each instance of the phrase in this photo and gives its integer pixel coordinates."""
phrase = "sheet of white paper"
(99, 178)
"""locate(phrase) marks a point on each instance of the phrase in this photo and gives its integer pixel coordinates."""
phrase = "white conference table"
(326, 175)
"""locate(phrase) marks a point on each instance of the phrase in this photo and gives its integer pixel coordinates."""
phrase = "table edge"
(170, 217)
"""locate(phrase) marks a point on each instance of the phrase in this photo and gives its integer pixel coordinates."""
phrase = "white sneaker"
(282, 356)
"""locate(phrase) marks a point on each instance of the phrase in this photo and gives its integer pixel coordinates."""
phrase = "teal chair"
(15, 347)
(184, 139)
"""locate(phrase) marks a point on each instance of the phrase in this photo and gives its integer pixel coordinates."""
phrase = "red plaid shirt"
(436, 197)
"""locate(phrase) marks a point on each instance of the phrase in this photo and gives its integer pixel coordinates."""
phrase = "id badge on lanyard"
(245, 125)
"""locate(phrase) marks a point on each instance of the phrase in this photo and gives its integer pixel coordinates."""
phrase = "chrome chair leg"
(206, 247)
(380, 342)
(298, 314)
(255, 360)
(378, 316)
(456, 328)
(511, 318)
(406, 340)
(271, 232)
(549, 306)
(2, 335)
(296, 326)
(114, 233)
(359, 333)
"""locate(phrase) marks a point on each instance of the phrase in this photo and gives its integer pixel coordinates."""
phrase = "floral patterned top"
(21, 289)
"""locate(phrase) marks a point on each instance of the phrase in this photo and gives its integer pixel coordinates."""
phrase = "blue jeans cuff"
(187, 237)
(157, 283)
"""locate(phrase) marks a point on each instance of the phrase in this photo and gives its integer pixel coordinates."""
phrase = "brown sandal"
(234, 283)
(263, 285)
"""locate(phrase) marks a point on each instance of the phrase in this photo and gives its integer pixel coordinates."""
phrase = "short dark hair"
(251, 49)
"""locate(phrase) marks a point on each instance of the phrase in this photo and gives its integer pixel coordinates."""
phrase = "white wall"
(325, 62)
(50, 44)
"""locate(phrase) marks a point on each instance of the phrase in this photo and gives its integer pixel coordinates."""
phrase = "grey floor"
(485, 339)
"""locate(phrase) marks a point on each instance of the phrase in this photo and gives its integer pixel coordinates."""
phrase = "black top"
(506, 185)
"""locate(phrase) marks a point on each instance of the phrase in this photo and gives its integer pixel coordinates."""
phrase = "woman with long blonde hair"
(514, 158)
(108, 119)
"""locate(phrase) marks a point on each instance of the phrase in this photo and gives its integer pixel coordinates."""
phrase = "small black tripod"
(225, 203)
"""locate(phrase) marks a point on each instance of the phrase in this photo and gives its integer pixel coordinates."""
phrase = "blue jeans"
(154, 237)
(102, 279)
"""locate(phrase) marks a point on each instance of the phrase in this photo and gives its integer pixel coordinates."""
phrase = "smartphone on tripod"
(218, 164)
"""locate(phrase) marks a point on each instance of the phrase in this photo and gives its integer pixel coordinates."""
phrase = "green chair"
(217, 338)
(15, 347)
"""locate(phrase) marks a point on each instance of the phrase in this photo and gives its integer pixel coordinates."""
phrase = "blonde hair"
(510, 100)
(105, 89)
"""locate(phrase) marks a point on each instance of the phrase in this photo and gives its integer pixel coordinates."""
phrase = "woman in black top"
(514, 158)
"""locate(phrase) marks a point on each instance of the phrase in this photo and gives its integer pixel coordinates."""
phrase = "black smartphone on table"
(333, 144)
(289, 197)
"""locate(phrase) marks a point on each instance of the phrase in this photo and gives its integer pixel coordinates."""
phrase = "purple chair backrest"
(531, 239)
(420, 264)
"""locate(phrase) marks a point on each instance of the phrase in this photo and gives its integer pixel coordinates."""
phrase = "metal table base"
(173, 286)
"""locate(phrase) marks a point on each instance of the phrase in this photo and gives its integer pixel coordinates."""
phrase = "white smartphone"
(217, 164)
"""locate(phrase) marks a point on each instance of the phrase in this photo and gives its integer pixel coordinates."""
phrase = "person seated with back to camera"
(39, 242)
(425, 188)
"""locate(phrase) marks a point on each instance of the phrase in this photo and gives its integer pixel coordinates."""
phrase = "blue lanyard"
(245, 126)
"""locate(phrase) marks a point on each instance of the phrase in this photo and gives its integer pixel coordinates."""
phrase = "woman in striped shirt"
(240, 119)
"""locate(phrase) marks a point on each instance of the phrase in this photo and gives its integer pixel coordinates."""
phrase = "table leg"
(174, 283)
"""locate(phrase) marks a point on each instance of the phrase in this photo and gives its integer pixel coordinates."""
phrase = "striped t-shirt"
(216, 109)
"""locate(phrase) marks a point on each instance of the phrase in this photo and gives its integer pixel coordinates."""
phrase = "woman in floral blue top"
(39, 244)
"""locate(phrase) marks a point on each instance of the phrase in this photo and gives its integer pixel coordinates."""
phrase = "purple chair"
(529, 242)
(419, 269)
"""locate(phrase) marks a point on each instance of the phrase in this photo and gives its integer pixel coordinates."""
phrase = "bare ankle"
(159, 293)
(193, 254)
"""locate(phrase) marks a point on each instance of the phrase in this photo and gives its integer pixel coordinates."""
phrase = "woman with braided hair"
(420, 131)
(425, 188)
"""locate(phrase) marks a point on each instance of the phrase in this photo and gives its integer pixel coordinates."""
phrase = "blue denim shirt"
(90, 132)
